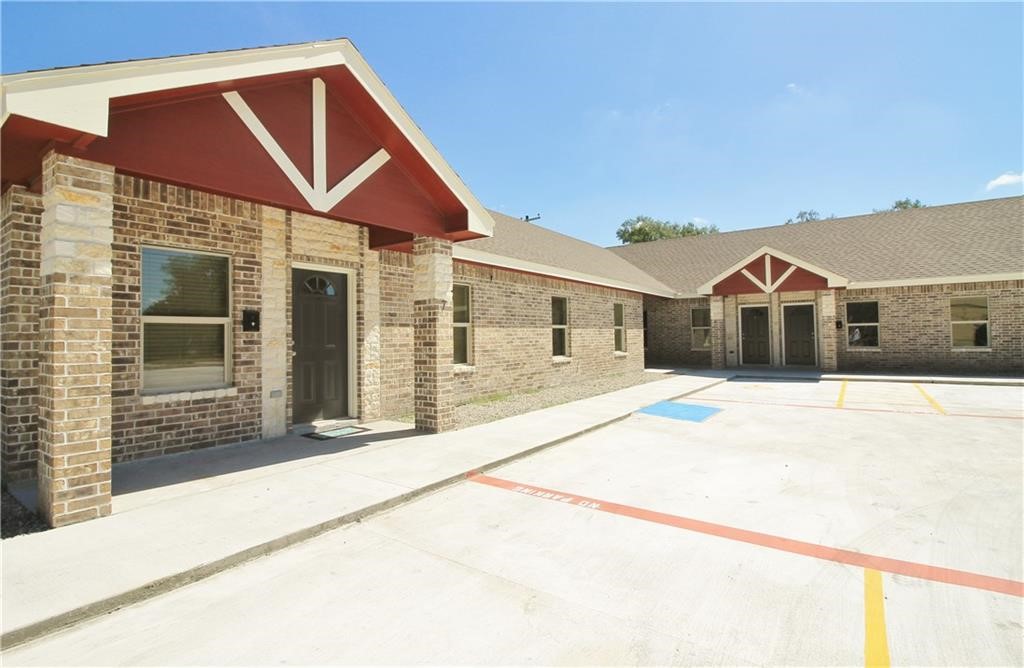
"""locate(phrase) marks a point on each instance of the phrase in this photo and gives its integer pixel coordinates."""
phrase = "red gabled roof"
(248, 124)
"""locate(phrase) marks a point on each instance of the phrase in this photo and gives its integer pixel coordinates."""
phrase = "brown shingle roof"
(970, 239)
(516, 239)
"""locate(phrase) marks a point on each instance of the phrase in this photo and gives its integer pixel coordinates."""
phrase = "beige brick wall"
(511, 313)
(669, 336)
(158, 214)
(20, 213)
(914, 329)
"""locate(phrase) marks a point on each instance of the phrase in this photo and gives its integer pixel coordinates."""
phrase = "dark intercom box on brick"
(250, 321)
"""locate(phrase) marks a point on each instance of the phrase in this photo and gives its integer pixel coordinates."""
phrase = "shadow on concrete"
(143, 474)
(183, 467)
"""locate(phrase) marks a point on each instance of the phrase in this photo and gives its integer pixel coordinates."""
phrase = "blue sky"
(736, 114)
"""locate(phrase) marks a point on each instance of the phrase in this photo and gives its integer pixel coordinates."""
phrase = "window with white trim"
(186, 320)
(700, 328)
(862, 324)
(559, 326)
(462, 324)
(619, 325)
(969, 321)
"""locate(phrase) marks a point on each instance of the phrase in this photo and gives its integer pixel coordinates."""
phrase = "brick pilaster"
(718, 332)
(775, 328)
(369, 351)
(433, 371)
(732, 336)
(827, 330)
(74, 465)
(276, 357)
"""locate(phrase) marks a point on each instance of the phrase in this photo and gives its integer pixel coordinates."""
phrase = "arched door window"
(318, 285)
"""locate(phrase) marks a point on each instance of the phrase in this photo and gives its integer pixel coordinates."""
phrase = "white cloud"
(1007, 179)
(700, 221)
(795, 89)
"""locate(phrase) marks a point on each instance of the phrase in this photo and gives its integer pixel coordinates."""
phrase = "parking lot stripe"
(838, 555)
(876, 644)
(842, 394)
(930, 399)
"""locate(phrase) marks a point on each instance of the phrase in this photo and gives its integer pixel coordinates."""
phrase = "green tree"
(644, 228)
(904, 204)
(807, 216)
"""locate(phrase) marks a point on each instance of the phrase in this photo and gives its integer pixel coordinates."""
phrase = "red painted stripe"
(838, 555)
(852, 408)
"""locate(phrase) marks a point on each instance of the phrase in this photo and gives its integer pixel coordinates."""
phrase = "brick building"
(211, 249)
(932, 289)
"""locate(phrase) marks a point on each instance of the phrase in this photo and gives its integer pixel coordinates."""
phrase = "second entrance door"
(798, 324)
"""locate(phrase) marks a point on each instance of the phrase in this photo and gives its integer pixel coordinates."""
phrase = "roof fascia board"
(937, 280)
(495, 260)
(834, 279)
(479, 220)
(79, 98)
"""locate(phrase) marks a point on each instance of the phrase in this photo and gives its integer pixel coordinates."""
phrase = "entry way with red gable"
(772, 309)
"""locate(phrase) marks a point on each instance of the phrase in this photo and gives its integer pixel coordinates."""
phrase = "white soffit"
(79, 97)
(492, 259)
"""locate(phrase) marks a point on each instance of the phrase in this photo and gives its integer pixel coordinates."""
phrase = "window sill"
(560, 359)
(464, 369)
(979, 349)
(867, 349)
(700, 350)
(191, 395)
(620, 354)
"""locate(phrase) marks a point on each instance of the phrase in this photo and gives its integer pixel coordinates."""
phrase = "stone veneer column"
(827, 330)
(369, 353)
(74, 465)
(433, 371)
(717, 332)
(732, 339)
(274, 322)
(775, 327)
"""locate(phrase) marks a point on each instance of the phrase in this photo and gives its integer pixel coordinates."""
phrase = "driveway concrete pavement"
(184, 517)
(596, 575)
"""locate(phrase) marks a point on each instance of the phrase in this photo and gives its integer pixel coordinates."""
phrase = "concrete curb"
(977, 382)
(163, 585)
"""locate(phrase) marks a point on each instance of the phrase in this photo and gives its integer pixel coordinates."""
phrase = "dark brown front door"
(798, 322)
(754, 332)
(319, 367)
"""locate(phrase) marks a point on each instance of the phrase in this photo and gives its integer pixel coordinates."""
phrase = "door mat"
(677, 411)
(334, 433)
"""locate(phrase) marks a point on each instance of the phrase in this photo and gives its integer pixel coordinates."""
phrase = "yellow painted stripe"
(842, 394)
(936, 405)
(876, 644)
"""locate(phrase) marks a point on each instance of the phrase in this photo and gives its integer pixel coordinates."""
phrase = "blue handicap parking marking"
(677, 411)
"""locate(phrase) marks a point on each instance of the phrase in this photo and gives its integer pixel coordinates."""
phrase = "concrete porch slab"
(776, 373)
(184, 517)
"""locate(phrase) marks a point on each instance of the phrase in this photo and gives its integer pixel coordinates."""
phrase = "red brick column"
(75, 338)
(433, 371)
